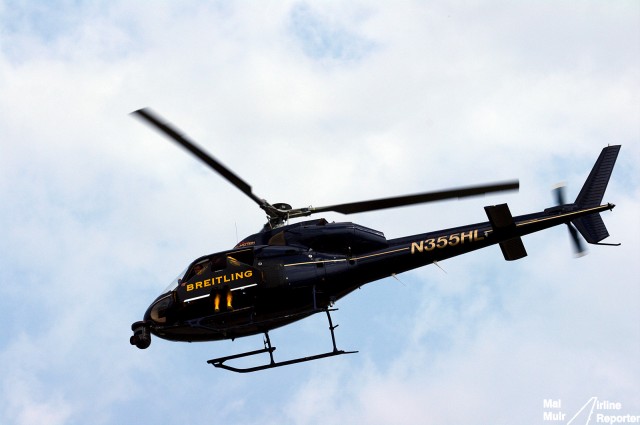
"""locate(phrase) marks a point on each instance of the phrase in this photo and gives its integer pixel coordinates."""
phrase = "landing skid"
(268, 348)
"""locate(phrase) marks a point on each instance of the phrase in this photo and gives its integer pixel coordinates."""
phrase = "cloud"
(313, 104)
(320, 38)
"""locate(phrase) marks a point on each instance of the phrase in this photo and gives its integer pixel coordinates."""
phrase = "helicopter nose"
(141, 336)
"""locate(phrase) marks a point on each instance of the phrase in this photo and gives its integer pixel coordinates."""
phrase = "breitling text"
(219, 280)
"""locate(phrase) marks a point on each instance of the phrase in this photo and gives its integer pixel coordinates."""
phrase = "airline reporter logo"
(594, 411)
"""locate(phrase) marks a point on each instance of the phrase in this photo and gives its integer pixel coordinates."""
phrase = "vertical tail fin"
(592, 227)
(594, 187)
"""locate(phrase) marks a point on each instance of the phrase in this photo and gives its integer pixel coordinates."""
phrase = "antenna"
(438, 266)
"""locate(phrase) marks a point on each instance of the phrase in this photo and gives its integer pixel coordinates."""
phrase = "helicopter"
(289, 271)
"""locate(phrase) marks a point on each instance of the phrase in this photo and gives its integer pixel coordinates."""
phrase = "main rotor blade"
(401, 201)
(151, 118)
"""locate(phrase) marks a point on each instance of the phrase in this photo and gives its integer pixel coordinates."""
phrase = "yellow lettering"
(248, 273)
(468, 236)
(454, 239)
(207, 283)
(476, 237)
(431, 244)
(225, 278)
(198, 285)
(189, 287)
(442, 242)
(417, 246)
(239, 275)
(218, 279)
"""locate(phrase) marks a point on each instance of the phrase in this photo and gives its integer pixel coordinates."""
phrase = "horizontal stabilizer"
(503, 226)
(513, 249)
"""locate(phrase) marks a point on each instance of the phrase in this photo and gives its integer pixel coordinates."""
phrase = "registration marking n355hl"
(444, 241)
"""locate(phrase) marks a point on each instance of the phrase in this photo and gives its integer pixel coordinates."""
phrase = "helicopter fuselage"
(279, 276)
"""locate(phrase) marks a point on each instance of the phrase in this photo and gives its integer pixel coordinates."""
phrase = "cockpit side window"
(197, 269)
(218, 263)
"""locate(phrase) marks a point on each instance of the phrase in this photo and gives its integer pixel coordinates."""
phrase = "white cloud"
(313, 103)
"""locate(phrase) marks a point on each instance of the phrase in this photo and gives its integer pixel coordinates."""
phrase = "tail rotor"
(579, 248)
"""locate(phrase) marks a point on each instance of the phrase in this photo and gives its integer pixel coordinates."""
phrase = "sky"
(315, 103)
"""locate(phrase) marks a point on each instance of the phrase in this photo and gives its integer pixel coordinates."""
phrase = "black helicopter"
(287, 272)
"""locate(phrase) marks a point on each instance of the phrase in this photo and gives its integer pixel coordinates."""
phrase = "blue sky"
(314, 103)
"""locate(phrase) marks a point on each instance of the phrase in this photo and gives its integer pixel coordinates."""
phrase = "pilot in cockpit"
(199, 268)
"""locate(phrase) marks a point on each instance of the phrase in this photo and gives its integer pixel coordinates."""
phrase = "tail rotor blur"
(578, 245)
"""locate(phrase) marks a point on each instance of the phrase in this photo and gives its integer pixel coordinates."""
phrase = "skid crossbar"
(268, 348)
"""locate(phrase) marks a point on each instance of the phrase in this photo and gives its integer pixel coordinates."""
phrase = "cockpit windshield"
(175, 282)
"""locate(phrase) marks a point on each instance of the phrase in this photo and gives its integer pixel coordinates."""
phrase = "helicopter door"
(305, 272)
(238, 274)
(235, 284)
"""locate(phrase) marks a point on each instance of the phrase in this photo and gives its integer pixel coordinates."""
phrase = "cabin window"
(218, 263)
(245, 256)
